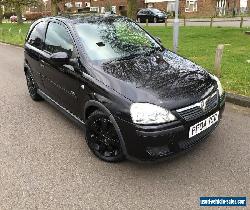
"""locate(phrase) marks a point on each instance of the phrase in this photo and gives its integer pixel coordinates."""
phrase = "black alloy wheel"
(32, 87)
(102, 138)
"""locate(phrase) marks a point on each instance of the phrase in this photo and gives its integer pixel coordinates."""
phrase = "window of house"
(68, 5)
(121, 8)
(87, 4)
(58, 39)
(113, 9)
(102, 9)
(78, 4)
(191, 6)
(171, 7)
(94, 9)
(36, 36)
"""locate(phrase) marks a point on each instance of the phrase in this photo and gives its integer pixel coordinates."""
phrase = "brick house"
(198, 8)
(46, 7)
(188, 8)
(117, 6)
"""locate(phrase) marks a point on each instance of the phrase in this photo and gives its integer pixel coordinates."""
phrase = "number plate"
(203, 125)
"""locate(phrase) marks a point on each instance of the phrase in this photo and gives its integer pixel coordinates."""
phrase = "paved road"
(45, 163)
(217, 22)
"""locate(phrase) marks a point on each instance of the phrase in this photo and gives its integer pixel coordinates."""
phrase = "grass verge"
(195, 43)
(13, 33)
(199, 44)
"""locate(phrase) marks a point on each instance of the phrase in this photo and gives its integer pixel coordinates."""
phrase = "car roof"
(148, 9)
(78, 18)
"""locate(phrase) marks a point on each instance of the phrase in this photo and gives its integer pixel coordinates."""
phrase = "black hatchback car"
(152, 14)
(134, 98)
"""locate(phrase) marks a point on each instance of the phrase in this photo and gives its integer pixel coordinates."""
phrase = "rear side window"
(142, 12)
(36, 35)
(149, 12)
(58, 39)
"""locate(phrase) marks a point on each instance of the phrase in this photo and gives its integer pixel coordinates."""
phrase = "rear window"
(142, 12)
(36, 35)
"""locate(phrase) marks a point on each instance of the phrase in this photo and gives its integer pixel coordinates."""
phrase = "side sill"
(62, 109)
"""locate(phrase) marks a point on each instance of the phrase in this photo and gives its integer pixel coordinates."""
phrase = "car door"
(33, 50)
(141, 15)
(145, 15)
(150, 16)
(61, 81)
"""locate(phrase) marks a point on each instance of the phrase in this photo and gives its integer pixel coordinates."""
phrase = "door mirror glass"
(60, 58)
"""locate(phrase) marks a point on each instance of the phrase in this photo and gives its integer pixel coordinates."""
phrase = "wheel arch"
(92, 106)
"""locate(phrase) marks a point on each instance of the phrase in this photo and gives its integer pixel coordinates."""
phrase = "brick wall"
(161, 5)
(120, 4)
(205, 8)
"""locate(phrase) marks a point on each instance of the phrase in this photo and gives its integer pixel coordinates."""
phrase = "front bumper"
(146, 143)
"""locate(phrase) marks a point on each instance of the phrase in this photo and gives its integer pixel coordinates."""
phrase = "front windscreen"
(115, 38)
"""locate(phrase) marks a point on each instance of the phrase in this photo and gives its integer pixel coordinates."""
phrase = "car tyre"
(102, 138)
(32, 87)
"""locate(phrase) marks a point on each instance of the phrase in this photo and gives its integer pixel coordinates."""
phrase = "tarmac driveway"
(45, 162)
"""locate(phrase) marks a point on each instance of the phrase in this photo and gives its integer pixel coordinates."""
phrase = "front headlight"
(145, 113)
(220, 89)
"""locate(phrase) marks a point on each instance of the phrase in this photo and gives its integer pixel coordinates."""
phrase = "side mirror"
(158, 39)
(60, 58)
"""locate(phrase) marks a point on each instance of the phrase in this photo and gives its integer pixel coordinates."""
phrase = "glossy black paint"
(80, 86)
(147, 143)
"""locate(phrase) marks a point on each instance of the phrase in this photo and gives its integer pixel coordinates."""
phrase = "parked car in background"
(153, 15)
(135, 98)
(13, 19)
(109, 13)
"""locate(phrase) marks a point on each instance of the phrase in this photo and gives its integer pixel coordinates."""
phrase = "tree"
(54, 7)
(1, 13)
(2, 3)
(108, 6)
(19, 4)
(132, 9)
(234, 8)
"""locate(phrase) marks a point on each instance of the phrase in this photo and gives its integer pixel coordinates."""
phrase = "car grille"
(196, 139)
(199, 109)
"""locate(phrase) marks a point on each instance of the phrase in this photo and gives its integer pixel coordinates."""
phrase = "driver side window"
(58, 39)
(36, 36)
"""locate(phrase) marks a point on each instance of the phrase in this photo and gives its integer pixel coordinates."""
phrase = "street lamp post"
(176, 27)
